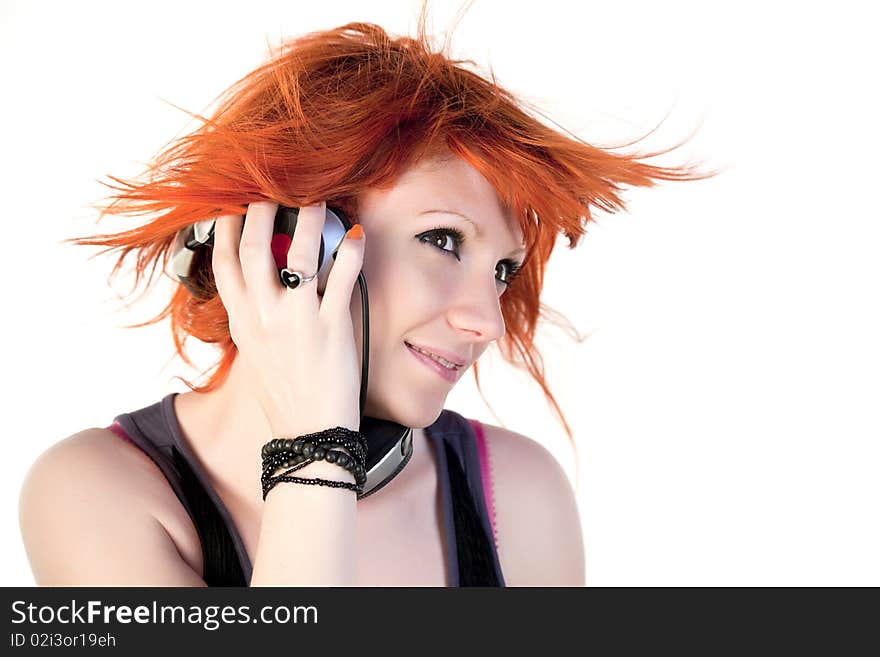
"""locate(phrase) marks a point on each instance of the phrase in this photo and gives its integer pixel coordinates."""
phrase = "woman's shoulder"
(99, 456)
(513, 445)
(97, 464)
(537, 522)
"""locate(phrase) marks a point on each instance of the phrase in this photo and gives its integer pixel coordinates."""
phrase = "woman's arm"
(293, 341)
(307, 532)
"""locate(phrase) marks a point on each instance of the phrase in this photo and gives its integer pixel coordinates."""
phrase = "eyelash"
(513, 267)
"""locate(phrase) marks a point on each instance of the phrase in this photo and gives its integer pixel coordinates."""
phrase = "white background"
(725, 405)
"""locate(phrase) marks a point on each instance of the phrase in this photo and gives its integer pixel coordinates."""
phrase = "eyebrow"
(521, 252)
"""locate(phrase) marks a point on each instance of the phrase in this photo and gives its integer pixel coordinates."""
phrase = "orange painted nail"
(355, 233)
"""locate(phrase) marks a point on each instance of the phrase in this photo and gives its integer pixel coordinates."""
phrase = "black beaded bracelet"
(298, 446)
(287, 459)
(319, 453)
(313, 452)
(300, 451)
(277, 444)
(320, 482)
(269, 482)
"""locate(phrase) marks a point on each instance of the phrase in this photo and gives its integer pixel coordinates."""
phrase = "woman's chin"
(414, 417)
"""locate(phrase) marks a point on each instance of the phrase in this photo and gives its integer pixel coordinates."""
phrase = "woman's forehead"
(446, 184)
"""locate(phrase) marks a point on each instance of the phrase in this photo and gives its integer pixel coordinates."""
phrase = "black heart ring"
(293, 279)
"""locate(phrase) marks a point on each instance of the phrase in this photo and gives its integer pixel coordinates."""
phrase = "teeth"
(445, 363)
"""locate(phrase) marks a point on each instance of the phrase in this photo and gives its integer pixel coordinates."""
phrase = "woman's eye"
(439, 237)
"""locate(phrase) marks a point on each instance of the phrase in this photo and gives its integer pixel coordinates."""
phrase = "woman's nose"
(477, 309)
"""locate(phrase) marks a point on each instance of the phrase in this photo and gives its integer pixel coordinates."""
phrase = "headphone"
(389, 444)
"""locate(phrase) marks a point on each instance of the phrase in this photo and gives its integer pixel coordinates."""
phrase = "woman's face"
(419, 294)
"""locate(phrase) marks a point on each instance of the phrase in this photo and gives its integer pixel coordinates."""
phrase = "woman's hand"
(298, 349)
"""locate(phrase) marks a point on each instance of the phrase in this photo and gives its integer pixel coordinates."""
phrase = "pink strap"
(486, 475)
(119, 431)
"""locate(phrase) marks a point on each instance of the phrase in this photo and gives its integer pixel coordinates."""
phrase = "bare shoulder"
(537, 522)
(92, 495)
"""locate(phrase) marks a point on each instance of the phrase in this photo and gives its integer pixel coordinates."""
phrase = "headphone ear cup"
(182, 260)
(193, 246)
(191, 258)
(336, 225)
(201, 279)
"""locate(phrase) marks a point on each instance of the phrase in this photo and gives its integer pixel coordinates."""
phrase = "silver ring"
(293, 279)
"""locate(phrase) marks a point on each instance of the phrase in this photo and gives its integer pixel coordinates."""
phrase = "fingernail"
(355, 233)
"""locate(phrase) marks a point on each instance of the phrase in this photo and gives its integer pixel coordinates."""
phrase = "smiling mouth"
(442, 361)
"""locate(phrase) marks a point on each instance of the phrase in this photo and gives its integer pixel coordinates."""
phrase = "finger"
(343, 275)
(303, 256)
(257, 264)
(225, 263)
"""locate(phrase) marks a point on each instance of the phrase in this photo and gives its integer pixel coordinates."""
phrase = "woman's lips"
(450, 357)
(447, 374)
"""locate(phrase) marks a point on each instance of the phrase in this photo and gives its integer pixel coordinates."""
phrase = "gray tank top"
(463, 475)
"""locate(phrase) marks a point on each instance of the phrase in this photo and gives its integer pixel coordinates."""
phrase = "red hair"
(336, 112)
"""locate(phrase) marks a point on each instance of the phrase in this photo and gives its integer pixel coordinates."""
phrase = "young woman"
(457, 196)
